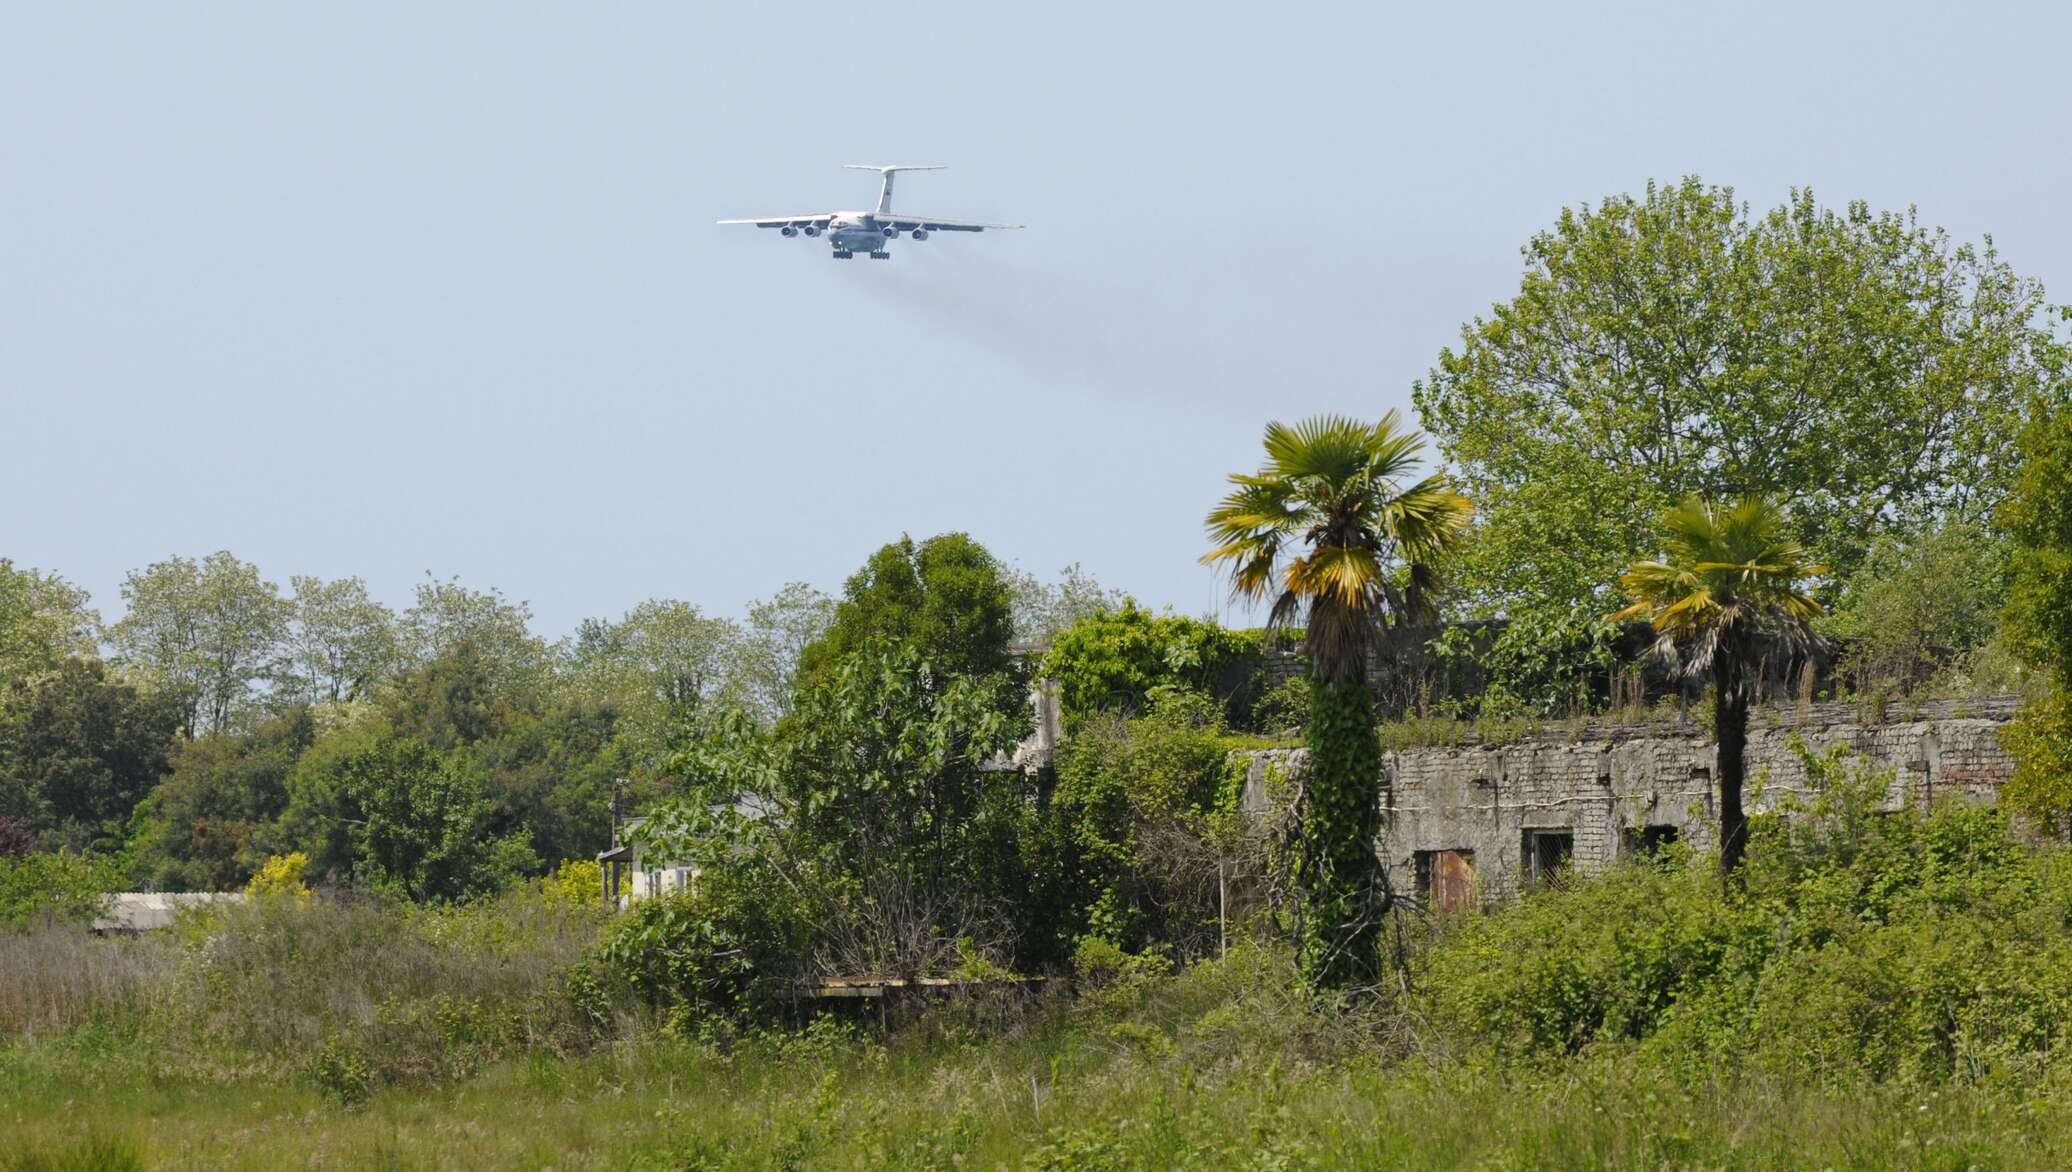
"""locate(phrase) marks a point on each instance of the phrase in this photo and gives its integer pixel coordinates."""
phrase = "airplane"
(854, 232)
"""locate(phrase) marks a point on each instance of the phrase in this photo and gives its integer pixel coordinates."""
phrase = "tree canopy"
(1865, 371)
(945, 596)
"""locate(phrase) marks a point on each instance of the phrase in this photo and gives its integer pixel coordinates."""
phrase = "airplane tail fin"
(885, 192)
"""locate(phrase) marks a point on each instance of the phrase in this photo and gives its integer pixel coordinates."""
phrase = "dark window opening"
(1546, 854)
(1447, 879)
(1647, 841)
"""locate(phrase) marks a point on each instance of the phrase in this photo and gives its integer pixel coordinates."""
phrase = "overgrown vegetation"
(1895, 984)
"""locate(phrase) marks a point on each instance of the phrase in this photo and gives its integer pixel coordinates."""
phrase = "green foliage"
(340, 1070)
(1921, 605)
(2040, 739)
(946, 596)
(206, 824)
(339, 642)
(1112, 660)
(1043, 609)
(2038, 520)
(873, 800)
(1912, 947)
(56, 887)
(1857, 366)
(729, 947)
(78, 751)
(1335, 868)
(204, 631)
(1283, 709)
(43, 620)
(780, 629)
(1134, 798)
(510, 658)
(656, 667)
(393, 814)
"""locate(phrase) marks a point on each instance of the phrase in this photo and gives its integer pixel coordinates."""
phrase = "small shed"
(130, 912)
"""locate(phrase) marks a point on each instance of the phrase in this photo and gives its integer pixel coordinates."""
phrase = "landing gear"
(843, 254)
(881, 256)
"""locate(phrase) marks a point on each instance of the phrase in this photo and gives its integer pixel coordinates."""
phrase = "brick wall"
(1606, 785)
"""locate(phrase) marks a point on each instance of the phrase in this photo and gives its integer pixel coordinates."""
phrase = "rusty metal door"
(1453, 880)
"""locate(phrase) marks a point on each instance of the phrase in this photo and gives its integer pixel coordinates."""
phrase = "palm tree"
(1727, 594)
(1328, 531)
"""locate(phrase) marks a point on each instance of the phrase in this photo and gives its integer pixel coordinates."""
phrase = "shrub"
(280, 875)
(58, 887)
(1112, 661)
(731, 945)
(1134, 799)
(1905, 946)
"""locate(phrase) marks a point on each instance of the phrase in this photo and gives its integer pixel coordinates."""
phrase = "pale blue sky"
(390, 288)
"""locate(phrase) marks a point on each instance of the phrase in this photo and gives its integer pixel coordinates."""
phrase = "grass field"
(1875, 992)
(1217, 1068)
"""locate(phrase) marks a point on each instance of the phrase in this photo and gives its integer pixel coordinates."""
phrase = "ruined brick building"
(1475, 821)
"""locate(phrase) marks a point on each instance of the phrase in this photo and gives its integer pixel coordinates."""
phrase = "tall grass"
(400, 994)
(1879, 991)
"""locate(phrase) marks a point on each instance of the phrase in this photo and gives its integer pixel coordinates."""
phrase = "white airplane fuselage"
(857, 232)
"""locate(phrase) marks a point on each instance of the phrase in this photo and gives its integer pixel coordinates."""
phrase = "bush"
(59, 887)
(730, 946)
(1902, 946)
(1112, 661)
(1134, 799)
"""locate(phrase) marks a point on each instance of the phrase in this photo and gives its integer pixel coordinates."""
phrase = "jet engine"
(788, 230)
(919, 233)
(811, 229)
(891, 233)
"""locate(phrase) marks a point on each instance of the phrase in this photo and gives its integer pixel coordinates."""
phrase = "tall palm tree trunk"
(1730, 724)
(1341, 929)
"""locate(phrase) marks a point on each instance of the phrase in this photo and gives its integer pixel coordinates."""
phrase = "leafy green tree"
(873, 802)
(780, 629)
(43, 620)
(1111, 661)
(207, 821)
(204, 631)
(79, 751)
(946, 596)
(394, 815)
(1920, 605)
(1329, 530)
(548, 775)
(452, 699)
(1043, 609)
(448, 614)
(339, 641)
(656, 668)
(1857, 367)
(1729, 590)
(2038, 519)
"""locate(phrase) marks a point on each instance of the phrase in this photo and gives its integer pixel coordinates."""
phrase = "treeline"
(438, 752)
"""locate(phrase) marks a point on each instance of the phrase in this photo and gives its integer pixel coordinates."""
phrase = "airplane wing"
(908, 221)
(784, 221)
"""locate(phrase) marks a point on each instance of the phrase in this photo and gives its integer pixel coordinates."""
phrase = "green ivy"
(1336, 870)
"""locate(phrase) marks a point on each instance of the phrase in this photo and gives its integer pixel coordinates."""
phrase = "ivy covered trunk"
(1730, 727)
(1338, 872)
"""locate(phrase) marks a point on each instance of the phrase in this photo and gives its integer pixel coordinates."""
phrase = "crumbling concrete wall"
(1603, 791)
